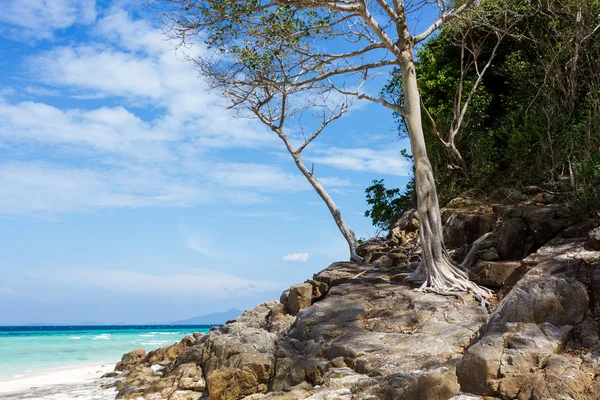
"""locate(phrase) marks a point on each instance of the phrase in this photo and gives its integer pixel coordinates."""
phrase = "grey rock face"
(580, 230)
(512, 239)
(546, 299)
(358, 332)
(593, 239)
(381, 330)
(464, 227)
(526, 349)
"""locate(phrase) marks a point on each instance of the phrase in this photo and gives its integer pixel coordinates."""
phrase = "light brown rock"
(493, 273)
(409, 221)
(130, 359)
(298, 297)
(190, 377)
(480, 367)
(185, 395)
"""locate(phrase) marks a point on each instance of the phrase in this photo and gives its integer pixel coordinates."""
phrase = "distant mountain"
(218, 318)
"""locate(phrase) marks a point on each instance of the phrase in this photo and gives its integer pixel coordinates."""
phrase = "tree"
(251, 37)
(534, 118)
(245, 82)
(388, 205)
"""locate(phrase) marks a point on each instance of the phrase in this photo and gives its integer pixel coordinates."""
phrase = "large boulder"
(557, 256)
(511, 239)
(297, 297)
(580, 230)
(129, 360)
(525, 229)
(409, 341)
(502, 363)
(558, 301)
(538, 343)
(409, 221)
(465, 227)
(238, 359)
(593, 239)
(493, 273)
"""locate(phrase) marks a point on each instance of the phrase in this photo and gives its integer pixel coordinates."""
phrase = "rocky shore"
(360, 332)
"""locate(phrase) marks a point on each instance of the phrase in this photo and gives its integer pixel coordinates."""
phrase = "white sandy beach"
(60, 384)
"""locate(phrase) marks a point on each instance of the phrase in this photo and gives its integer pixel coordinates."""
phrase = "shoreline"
(77, 381)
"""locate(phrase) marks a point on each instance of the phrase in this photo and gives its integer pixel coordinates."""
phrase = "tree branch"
(444, 18)
(323, 125)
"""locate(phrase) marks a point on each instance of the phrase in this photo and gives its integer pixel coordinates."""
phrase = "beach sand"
(81, 383)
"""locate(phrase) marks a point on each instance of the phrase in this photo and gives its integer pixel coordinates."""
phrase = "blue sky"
(128, 194)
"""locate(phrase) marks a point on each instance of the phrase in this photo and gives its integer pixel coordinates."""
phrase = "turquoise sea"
(27, 350)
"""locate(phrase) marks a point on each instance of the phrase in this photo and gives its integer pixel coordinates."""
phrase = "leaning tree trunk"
(335, 212)
(438, 271)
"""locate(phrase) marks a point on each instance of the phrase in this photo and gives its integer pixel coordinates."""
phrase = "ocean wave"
(75, 338)
(147, 335)
(155, 342)
(104, 336)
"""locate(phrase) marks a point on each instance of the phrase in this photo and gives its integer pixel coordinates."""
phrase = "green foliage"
(536, 115)
(257, 35)
(534, 119)
(388, 205)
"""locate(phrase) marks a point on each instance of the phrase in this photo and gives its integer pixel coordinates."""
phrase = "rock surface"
(593, 239)
(522, 351)
(358, 332)
(493, 273)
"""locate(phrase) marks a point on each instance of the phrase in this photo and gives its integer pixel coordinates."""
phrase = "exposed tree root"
(448, 294)
(447, 279)
(356, 258)
(437, 273)
(471, 257)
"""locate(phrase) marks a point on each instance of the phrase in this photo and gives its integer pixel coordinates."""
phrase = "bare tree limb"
(440, 21)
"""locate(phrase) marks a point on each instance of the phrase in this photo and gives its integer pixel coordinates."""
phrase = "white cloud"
(193, 243)
(203, 283)
(100, 69)
(258, 176)
(107, 129)
(264, 214)
(41, 91)
(388, 161)
(136, 35)
(39, 18)
(112, 157)
(117, 156)
(142, 70)
(48, 188)
(333, 181)
(297, 257)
